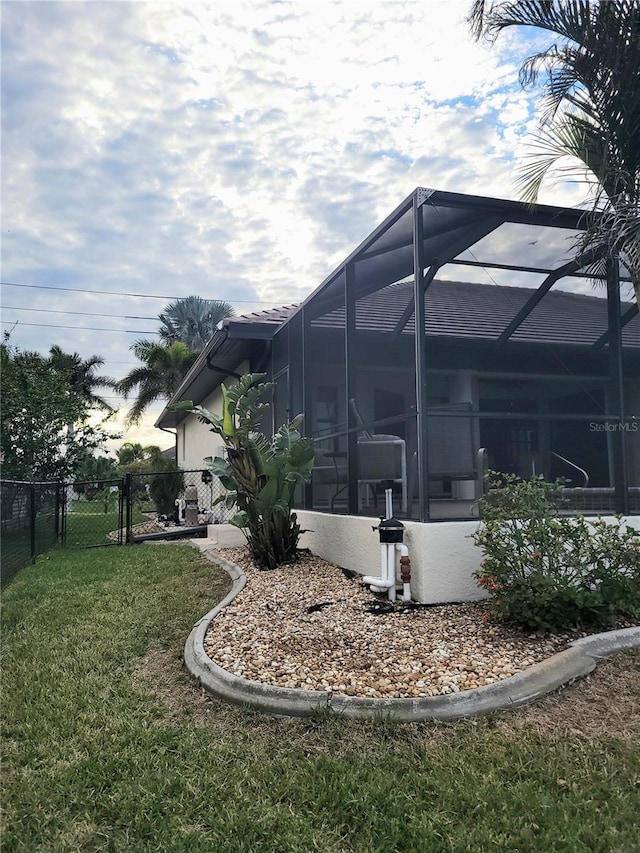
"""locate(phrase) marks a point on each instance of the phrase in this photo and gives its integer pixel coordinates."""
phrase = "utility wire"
(78, 313)
(87, 328)
(117, 293)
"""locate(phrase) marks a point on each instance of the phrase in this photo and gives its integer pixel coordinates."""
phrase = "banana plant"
(260, 474)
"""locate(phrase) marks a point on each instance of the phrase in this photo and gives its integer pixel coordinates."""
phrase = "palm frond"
(192, 320)
(591, 119)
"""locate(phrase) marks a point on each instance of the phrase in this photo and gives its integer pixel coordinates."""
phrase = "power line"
(85, 328)
(78, 313)
(117, 293)
(85, 290)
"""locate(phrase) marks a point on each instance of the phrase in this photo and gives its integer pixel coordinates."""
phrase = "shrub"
(551, 572)
(164, 489)
(261, 475)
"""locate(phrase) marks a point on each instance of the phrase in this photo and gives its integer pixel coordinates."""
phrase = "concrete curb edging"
(537, 680)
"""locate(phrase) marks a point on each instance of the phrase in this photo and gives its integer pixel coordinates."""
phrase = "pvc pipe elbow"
(383, 583)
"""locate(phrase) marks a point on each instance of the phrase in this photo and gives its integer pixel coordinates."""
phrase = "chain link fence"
(30, 523)
(169, 500)
(93, 513)
(37, 516)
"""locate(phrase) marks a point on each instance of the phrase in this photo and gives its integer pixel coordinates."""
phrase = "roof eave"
(229, 331)
(214, 344)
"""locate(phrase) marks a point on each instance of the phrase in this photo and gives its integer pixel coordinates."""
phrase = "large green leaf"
(204, 415)
(269, 496)
(240, 520)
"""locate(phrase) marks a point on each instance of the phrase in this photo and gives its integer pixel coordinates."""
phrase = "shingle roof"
(269, 315)
(482, 311)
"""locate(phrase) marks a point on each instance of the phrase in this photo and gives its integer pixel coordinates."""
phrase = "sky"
(235, 150)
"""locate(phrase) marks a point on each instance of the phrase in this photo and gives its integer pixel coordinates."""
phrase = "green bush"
(552, 572)
(165, 488)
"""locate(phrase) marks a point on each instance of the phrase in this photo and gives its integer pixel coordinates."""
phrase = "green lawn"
(109, 746)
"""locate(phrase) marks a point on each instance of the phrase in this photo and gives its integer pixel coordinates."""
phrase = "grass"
(108, 745)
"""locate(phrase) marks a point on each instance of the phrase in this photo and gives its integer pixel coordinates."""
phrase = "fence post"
(128, 508)
(56, 524)
(121, 506)
(32, 520)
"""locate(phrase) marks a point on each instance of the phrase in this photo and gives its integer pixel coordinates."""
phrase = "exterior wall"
(195, 439)
(443, 557)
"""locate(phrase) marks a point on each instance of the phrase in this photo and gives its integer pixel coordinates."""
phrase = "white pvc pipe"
(391, 570)
(388, 502)
(383, 582)
(387, 579)
(378, 584)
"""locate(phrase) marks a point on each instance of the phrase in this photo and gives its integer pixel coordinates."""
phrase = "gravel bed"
(137, 529)
(308, 625)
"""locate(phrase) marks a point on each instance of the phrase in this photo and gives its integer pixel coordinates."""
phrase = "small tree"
(149, 466)
(38, 405)
(261, 475)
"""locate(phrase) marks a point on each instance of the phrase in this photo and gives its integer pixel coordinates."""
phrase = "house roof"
(456, 309)
(273, 316)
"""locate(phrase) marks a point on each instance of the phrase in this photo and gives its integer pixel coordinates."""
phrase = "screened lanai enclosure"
(465, 335)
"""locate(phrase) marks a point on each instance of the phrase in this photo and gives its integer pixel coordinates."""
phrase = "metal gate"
(93, 514)
(114, 512)
(155, 501)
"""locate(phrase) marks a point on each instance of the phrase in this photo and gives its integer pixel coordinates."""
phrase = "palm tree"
(192, 321)
(131, 451)
(162, 370)
(134, 457)
(83, 380)
(592, 110)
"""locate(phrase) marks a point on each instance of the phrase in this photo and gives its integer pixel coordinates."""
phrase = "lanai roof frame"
(433, 228)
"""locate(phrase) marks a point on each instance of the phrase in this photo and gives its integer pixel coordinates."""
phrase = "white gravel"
(267, 634)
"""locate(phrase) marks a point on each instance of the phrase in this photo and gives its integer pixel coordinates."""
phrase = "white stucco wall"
(443, 556)
(195, 439)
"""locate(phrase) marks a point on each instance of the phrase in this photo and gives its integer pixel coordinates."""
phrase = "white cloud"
(234, 150)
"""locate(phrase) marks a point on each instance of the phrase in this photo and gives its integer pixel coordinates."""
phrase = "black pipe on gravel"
(199, 532)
